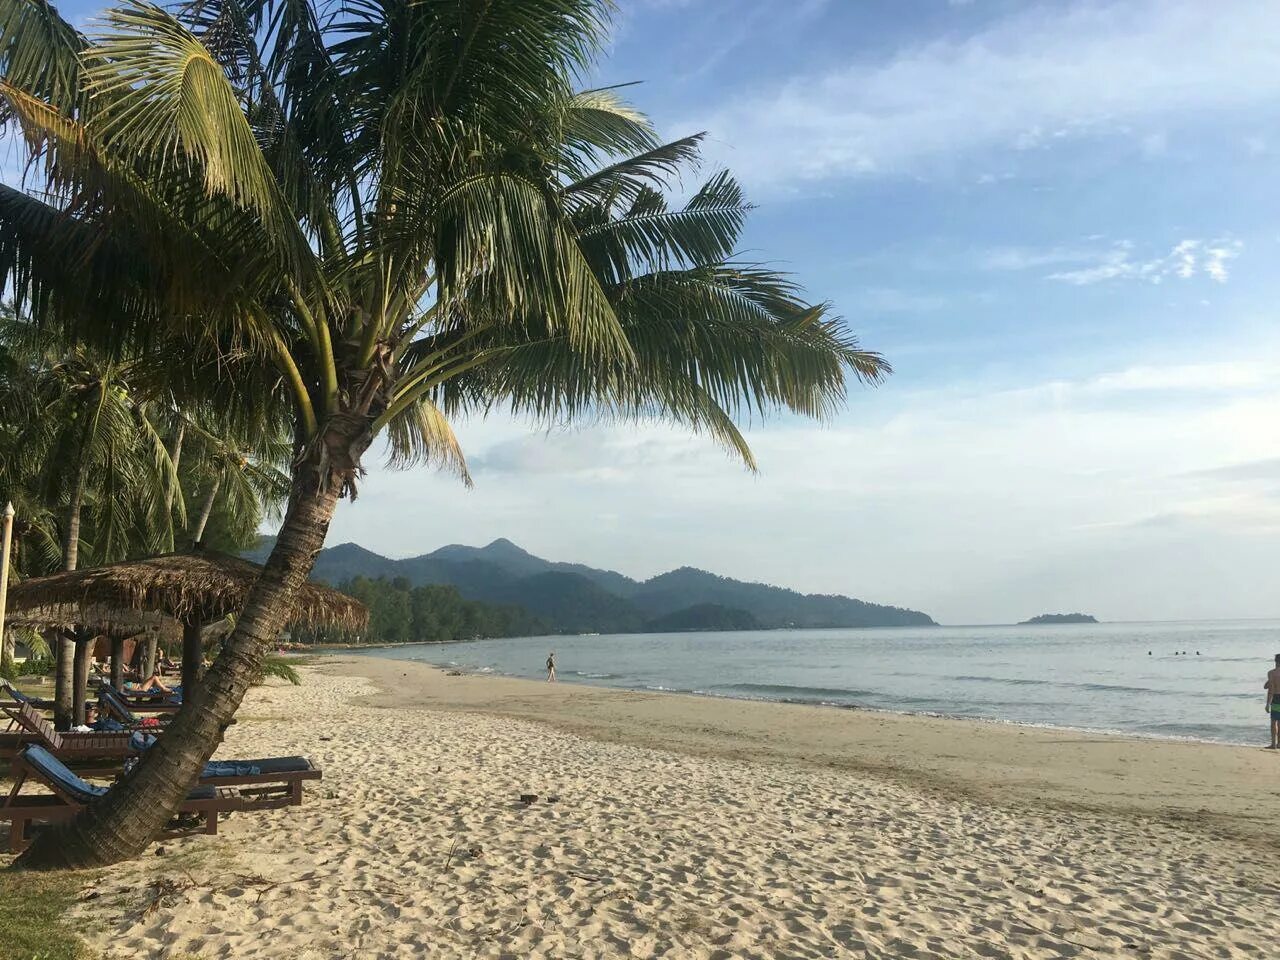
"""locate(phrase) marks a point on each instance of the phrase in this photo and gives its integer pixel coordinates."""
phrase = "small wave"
(1012, 681)
(1062, 684)
(594, 676)
(790, 690)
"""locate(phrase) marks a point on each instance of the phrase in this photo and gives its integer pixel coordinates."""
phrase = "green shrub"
(36, 667)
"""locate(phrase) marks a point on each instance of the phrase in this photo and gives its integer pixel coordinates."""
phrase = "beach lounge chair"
(281, 775)
(70, 793)
(17, 696)
(34, 728)
(144, 702)
(113, 705)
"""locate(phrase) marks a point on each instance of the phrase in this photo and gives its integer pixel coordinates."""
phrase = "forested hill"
(574, 598)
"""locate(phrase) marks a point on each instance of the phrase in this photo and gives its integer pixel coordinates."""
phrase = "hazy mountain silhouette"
(575, 598)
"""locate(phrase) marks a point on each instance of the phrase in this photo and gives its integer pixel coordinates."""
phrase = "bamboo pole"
(4, 567)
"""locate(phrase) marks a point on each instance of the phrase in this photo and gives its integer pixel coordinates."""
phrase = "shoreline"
(817, 704)
(1218, 788)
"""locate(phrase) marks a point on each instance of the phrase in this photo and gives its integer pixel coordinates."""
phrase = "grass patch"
(33, 916)
(37, 686)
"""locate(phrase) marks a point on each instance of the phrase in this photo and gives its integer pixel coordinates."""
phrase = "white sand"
(416, 845)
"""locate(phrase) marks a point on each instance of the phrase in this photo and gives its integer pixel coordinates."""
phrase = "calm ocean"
(1201, 680)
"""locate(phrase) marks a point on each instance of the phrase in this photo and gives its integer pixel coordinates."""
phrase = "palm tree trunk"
(198, 533)
(64, 677)
(80, 681)
(148, 664)
(71, 537)
(192, 654)
(8, 652)
(175, 455)
(117, 662)
(135, 810)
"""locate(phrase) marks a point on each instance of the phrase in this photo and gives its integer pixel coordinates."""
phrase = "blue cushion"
(140, 741)
(57, 772)
(281, 764)
(230, 768)
(107, 695)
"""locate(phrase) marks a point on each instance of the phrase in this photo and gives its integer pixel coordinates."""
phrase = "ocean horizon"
(1195, 680)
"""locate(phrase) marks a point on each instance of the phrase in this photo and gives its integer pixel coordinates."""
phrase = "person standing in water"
(1272, 686)
(551, 666)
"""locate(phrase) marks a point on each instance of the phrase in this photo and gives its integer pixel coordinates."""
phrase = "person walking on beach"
(1273, 702)
(551, 666)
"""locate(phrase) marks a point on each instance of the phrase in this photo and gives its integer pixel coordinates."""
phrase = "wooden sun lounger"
(19, 698)
(142, 702)
(70, 794)
(109, 700)
(105, 754)
(33, 728)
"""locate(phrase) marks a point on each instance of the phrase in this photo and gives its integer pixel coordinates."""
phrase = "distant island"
(1059, 618)
(503, 590)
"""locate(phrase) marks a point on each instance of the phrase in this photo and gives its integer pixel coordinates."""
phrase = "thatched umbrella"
(193, 588)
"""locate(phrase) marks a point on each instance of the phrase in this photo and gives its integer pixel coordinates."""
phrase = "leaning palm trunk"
(401, 238)
(120, 825)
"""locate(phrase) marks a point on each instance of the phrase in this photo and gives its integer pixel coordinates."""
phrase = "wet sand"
(1216, 787)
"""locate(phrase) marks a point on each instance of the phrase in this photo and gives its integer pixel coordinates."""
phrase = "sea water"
(1198, 680)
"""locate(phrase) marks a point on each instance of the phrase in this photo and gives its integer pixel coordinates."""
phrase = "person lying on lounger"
(149, 685)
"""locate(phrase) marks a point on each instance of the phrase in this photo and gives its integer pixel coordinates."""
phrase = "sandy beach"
(690, 827)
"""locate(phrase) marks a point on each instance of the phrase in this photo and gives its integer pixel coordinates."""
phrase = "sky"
(1059, 222)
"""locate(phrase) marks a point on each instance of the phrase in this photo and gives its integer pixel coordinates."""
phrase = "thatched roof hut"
(100, 621)
(189, 587)
(194, 589)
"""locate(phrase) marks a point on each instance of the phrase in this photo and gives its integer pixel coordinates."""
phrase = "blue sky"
(1059, 221)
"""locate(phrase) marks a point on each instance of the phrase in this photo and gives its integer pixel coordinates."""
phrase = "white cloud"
(1235, 375)
(1042, 76)
(1090, 263)
(1188, 258)
(1215, 263)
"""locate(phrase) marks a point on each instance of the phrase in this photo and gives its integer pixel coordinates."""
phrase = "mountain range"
(575, 598)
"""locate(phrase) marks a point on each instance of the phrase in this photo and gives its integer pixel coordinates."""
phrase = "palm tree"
(404, 207)
(84, 444)
(244, 473)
